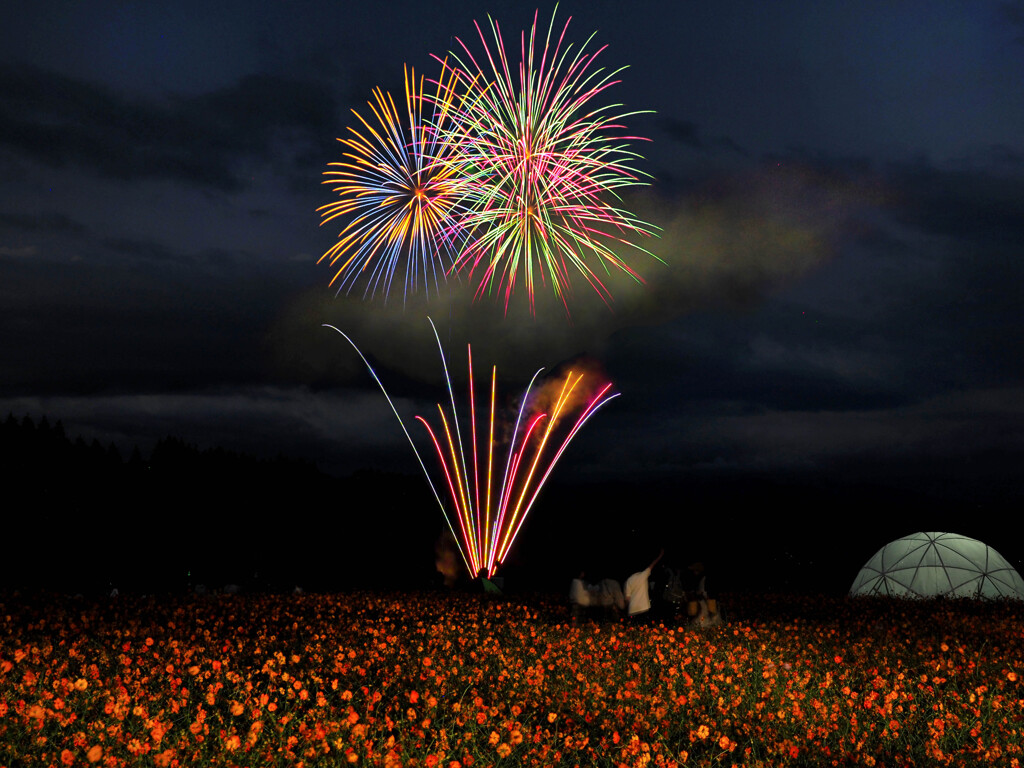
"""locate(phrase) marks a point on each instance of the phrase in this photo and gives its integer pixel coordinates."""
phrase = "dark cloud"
(203, 140)
(113, 314)
(973, 204)
(688, 133)
(683, 131)
(53, 223)
(1012, 14)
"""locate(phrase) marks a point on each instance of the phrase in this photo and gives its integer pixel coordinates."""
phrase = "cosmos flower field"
(434, 679)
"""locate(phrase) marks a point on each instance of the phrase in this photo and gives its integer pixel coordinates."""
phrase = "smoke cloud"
(728, 245)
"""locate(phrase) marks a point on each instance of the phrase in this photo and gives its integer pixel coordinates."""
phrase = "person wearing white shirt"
(638, 600)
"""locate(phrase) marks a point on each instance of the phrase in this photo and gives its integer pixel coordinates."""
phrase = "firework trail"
(539, 166)
(493, 482)
(395, 193)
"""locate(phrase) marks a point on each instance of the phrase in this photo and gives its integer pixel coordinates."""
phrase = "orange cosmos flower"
(504, 750)
(67, 757)
(702, 732)
(232, 742)
(81, 684)
(236, 708)
(94, 754)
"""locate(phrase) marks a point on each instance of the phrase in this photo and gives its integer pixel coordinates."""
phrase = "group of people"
(634, 598)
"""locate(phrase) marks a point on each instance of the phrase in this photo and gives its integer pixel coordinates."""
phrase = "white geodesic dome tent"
(932, 564)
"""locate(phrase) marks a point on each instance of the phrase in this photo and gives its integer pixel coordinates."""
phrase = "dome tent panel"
(963, 552)
(933, 564)
(1006, 581)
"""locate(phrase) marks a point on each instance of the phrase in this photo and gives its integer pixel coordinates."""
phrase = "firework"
(540, 166)
(508, 172)
(395, 194)
(493, 471)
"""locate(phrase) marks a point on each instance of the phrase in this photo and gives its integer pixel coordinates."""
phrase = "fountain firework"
(493, 471)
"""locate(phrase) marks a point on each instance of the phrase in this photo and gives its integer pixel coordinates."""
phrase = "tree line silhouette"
(82, 518)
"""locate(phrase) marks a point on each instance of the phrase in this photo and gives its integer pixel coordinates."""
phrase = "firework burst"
(540, 166)
(395, 193)
(508, 172)
(493, 472)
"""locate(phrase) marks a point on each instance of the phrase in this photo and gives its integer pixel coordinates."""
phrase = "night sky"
(832, 344)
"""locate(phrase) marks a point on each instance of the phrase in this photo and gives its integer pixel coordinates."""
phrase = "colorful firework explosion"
(538, 163)
(395, 192)
(511, 175)
(488, 509)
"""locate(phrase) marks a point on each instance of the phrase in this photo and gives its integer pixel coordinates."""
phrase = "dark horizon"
(184, 516)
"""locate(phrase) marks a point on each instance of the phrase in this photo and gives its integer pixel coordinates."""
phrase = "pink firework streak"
(487, 513)
(539, 166)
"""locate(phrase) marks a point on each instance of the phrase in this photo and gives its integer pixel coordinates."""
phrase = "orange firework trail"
(487, 512)
(396, 199)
